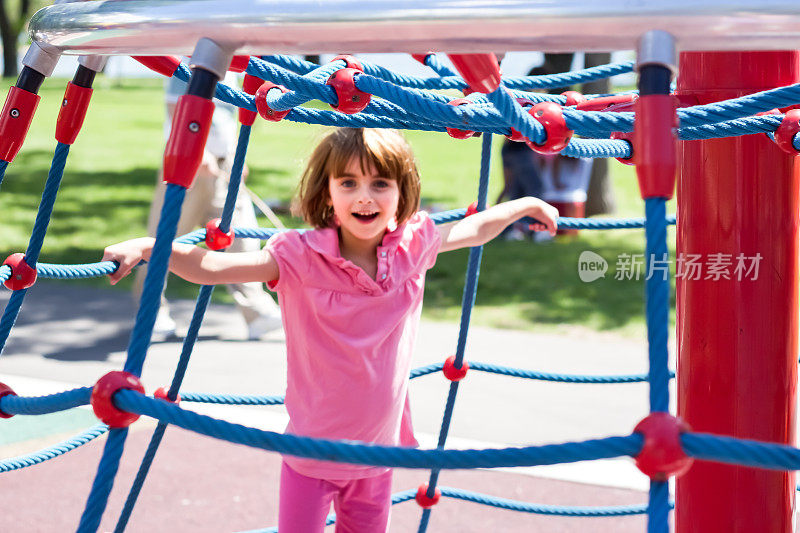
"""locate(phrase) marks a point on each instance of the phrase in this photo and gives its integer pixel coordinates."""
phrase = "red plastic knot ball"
(472, 209)
(456, 133)
(550, 115)
(215, 238)
(422, 497)
(662, 455)
(266, 112)
(349, 62)
(103, 394)
(451, 372)
(5, 390)
(625, 136)
(351, 100)
(22, 275)
(162, 393)
(515, 135)
(787, 130)
(573, 97)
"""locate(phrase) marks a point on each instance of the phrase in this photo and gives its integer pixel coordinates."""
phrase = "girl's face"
(363, 201)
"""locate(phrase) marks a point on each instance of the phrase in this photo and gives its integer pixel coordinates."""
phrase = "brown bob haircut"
(384, 149)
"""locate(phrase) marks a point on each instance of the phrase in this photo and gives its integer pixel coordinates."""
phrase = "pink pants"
(361, 505)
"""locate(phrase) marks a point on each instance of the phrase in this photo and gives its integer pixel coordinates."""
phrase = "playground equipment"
(737, 341)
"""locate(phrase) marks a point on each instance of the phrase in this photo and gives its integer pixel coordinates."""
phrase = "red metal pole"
(737, 339)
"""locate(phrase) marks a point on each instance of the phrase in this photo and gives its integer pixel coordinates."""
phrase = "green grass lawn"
(111, 169)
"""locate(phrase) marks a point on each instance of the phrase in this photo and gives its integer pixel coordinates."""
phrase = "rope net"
(393, 100)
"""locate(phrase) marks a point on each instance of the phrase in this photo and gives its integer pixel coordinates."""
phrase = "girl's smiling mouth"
(366, 217)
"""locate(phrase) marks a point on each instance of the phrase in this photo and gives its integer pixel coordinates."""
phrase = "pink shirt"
(349, 338)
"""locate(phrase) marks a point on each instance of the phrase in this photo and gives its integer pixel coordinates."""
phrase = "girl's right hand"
(127, 255)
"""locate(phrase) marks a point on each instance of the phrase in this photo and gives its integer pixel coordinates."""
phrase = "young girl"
(351, 295)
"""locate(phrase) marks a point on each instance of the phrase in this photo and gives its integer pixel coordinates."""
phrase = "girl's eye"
(347, 183)
(380, 184)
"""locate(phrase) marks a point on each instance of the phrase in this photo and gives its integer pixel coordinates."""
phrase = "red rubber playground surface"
(201, 484)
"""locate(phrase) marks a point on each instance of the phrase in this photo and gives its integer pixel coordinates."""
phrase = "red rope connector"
(662, 455)
(15, 121)
(605, 103)
(550, 115)
(22, 274)
(73, 111)
(162, 393)
(480, 71)
(515, 135)
(451, 372)
(5, 390)
(351, 100)
(471, 209)
(456, 133)
(215, 238)
(422, 498)
(573, 98)
(625, 136)
(655, 144)
(239, 63)
(187, 140)
(164, 65)
(102, 398)
(785, 133)
(349, 62)
(266, 112)
(250, 85)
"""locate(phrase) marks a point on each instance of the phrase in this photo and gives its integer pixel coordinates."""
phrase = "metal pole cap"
(95, 63)
(657, 47)
(41, 60)
(212, 57)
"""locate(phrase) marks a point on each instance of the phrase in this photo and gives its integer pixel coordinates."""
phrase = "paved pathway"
(69, 335)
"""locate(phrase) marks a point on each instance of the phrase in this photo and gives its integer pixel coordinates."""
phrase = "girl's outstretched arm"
(194, 264)
(482, 227)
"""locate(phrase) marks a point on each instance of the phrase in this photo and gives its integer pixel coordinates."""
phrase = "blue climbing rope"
(467, 303)
(61, 401)
(189, 341)
(40, 225)
(372, 454)
(657, 289)
(57, 450)
(137, 348)
(3, 167)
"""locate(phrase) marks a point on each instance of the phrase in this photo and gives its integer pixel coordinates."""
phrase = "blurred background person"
(558, 180)
(204, 201)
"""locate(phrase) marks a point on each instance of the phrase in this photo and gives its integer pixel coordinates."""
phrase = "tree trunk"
(600, 196)
(557, 63)
(8, 37)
